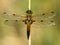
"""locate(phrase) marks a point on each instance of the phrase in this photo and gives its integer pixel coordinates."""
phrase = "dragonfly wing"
(12, 17)
(45, 19)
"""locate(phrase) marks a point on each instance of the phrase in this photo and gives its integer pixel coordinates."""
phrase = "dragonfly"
(44, 19)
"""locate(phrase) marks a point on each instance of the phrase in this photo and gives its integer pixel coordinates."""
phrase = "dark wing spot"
(16, 20)
(43, 14)
(52, 21)
(13, 14)
(6, 20)
(4, 13)
(52, 11)
(41, 20)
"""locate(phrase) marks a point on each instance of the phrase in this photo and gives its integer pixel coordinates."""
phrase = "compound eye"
(29, 12)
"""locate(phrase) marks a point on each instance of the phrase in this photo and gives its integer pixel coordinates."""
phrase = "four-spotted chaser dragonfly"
(45, 19)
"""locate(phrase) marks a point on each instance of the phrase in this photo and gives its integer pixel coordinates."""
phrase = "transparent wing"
(12, 17)
(45, 19)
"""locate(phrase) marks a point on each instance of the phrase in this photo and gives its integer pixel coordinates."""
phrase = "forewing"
(12, 17)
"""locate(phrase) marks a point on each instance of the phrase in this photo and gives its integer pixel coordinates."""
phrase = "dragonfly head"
(29, 12)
